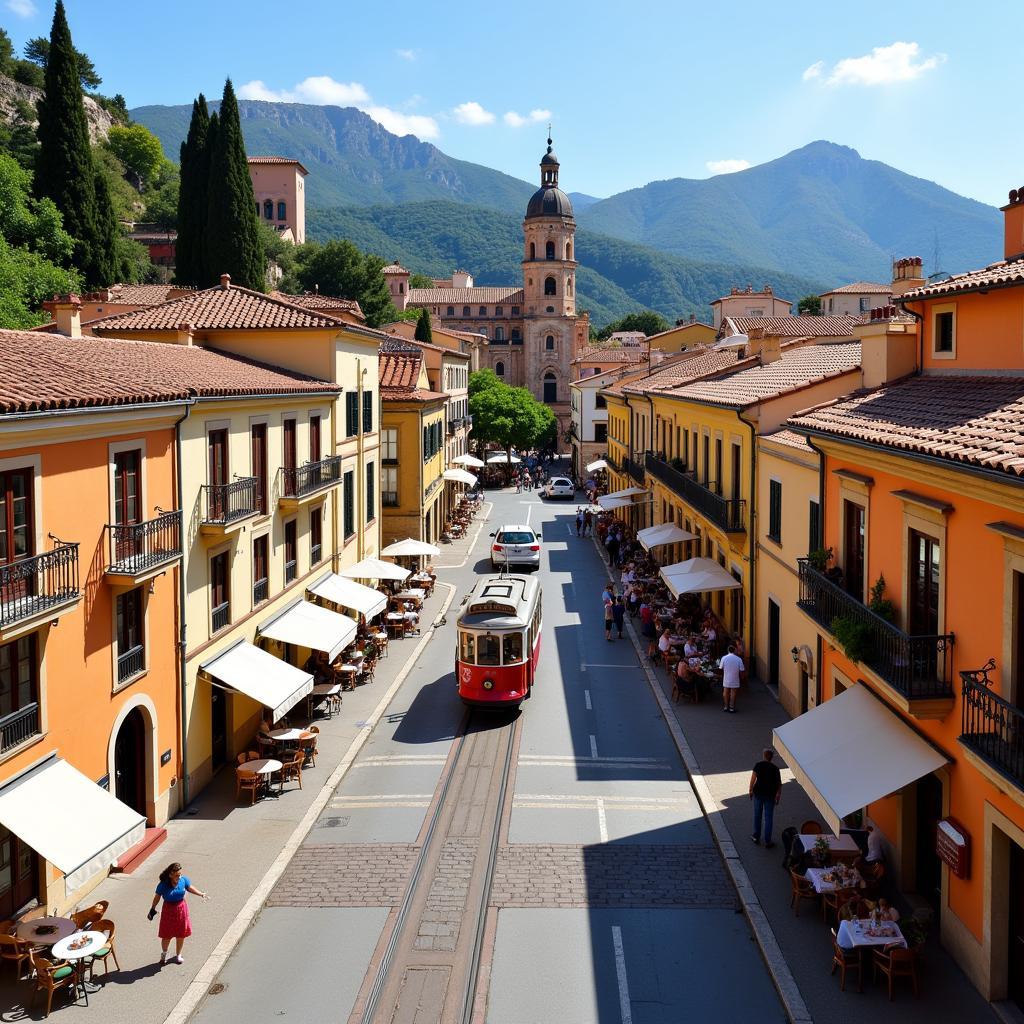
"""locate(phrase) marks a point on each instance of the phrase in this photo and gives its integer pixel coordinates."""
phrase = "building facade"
(747, 302)
(279, 187)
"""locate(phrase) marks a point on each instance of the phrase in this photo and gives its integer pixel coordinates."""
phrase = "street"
(547, 866)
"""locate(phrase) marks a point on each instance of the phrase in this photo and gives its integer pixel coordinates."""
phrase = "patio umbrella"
(468, 460)
(375, 569)
(410, 547)
(460, 476)
(502, 459)
(593, 467)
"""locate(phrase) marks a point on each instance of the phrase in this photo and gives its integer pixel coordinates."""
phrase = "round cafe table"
(290, 735)
(28, 931)
(264, 766)
(91, 943)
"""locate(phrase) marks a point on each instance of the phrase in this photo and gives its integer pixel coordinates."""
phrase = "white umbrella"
(410, 547)
(460, 476)
(468, 460)
(375, 569)
(593, 467)
(607, 502)
(665, 533)
(627, 492)
(502, 458)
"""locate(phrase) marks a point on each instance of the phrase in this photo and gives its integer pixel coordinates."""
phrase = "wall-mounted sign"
(165, 758)
(953, 846)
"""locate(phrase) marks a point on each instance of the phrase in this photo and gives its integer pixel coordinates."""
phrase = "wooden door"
(924, 585)
(1015, 950)
(853, 548)
(290, 456)
(217, 443)
(929, 867)
(773, 643)
(19, 874)
(17, 530)
(258, 446)
(127, 502)
(130, 762)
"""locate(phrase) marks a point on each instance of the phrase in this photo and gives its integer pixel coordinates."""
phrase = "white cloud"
(472, 113)
(406, 54)
(884, 65)
(727, 166)
(22, 8)
(514, 120)
(324, 90)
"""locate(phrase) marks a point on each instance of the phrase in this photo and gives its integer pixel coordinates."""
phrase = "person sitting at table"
(320, 668)
(710, 634)
(886, 911)
(665, 641)
(690, 647)
(263, 737)
(411, 615)
(686, 679)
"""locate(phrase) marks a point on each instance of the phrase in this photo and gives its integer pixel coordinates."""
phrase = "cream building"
(747, 302)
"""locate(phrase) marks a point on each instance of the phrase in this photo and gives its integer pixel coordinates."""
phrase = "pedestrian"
(766, 791)
(174, 919)
(519, 485)
(619, 614)
(579, 521)
(612, 546)
(732, 666)
(609, 616)
(588, 523)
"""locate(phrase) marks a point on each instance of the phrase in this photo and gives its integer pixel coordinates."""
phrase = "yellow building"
(686, 334)
(412, 446)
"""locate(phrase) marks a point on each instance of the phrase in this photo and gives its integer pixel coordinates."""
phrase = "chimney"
(907, 273)
(1013, 225)
(184, 334)
(225, 281)
(66, 311)
(771, 349)
(888, 346)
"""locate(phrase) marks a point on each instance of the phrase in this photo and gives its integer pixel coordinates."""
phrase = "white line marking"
(362, 797)
(528, 512)
(568, 530)
(620, 972)
(572, 757)
(586, 698)
(377, 804)
(602, 820)
(593, 746)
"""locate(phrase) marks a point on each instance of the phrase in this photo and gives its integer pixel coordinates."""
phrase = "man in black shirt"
(765, 791)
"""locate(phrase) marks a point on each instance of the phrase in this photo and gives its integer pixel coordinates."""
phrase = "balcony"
(131, 663)
(728, 514)
(916, 669)
(220, 617)
(138, 551)
(634, 469)
(992, 728)
(39, 588)
(305, 482)
(18, 726)
(227, 506)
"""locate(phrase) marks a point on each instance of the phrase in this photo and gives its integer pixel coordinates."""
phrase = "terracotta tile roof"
(753, 382)
(795, 326)
(996, 275)
(688, 366)
(399, 368)
(861, 288)
(394, 268)
(974, 420)
(138, 294)
(46, 371)
(464, 296)
(789, 439)
(598, 354)
(276, 160)
(319, 303)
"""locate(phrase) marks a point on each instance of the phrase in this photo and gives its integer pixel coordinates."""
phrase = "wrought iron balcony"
(39, 585)
(226, 504)
(992, 727)
(260, 591)
(137, 548)
(729, 514)
(220, 616)
(612, 464)
(310, 478)
(634, 469)
(131, 663)
(18, 726)
(918, 667)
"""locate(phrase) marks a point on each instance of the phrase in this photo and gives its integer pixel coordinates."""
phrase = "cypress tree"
(107, 262)
(205, 272)
(232, 231)
(192, 198)
(423, 328)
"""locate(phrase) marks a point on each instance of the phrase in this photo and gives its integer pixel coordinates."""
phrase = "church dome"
(549, 201)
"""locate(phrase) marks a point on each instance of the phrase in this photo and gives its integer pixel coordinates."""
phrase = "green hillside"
(615, 277)
(822, 211)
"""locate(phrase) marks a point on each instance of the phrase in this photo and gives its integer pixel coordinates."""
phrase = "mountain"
(581, 201)
(351, 159)
(614, 277)
(821, 211)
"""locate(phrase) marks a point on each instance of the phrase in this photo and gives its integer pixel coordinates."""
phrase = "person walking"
(588, 522)
(619, 614)
(612, 545)
(579, 521)
(732, 667)
(766, 791)
(609, 615)
(174, 918)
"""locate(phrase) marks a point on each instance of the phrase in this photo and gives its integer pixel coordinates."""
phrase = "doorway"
(130, 762)
(773, 643)
(1015, 938)
(219, 726)
(19, 874)
(805, 686)
(929, 867)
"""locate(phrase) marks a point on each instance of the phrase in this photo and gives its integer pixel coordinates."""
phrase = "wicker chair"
(52, 976)
(307, 748)
(833, 902)
(293, 769)
(812, 828)
(846, 960)
(247, 782)
(16, 952)
(896, 962)
(802, 890)
(107, 952)
(84, 918)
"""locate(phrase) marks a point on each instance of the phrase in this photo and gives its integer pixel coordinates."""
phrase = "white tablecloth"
(852, 934)
(817, 878)
(62, 950)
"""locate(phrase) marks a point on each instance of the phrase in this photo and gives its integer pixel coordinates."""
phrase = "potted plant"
(915, 931)
(879, 603)
(854, 636)
(820, 558)
(822, 852)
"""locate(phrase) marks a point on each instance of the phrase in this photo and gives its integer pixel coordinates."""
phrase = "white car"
(515, 545)
(560, 487)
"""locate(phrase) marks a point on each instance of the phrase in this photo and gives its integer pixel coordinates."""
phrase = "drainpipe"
(182, 633)
(751, 537)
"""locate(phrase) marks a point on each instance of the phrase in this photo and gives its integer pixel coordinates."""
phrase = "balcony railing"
(34, 585)
(312, 477)
(612, 464)
(221, 616)
(137, 547)
(992, 727)
(131, 663)
(634, 469)
(315, 553)
(727, 513)
(260, 591)
(227, 503)
(918, 667)
(18, 726)
(291, 570)
(389, 499)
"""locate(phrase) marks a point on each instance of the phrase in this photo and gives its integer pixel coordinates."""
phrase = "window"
(220, 592)
(282, 210)
(217, 444)
(775, 510)
(258, 454)
(517, 337)
(260, 569)
(488, 650)
(127, 485)
(371, 492)
(813, 526)
(533, 250)
(600, 433)
(853, 548)
(944, 332)
(549, 309)
(515, 311)
(923, 589)
(450, 311)
(351, 414)
(465, 311)
(499, 311)
(737, 472)
(568, 250)
(129, 624)
(549, 343)
(483, 311)
(290, 455)
(549, 250)
(291, 551)
(19, 688)
(499, 368)
(314, 438)
(512, 648)
(268, 209)
(707, 460)
(600, 402)
(389, 486)
(550, 388)
(349, 518)
(499, 335)
(389, 445)
(719, 468)
(367, 412)
(467, 648)
(316, 534)
(865, 304)
(550, 287)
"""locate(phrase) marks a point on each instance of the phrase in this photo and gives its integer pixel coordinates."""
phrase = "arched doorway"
(130, 762)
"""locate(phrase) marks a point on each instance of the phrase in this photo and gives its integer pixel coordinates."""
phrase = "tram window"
(488, 650)
(513, 648)
(468, 654)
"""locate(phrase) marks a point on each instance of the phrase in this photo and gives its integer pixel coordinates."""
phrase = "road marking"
(593, 746)
(374, 805)
(528, 512)
(625, 1009)
(342, 797)
(568, 529)
(586, 698)
(540, 758)
(602, 821)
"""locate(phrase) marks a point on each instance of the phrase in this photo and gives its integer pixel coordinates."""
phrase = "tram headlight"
(488, 684)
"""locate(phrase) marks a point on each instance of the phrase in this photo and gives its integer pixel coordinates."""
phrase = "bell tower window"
(550, 288)
(550, 388)
(568, 250)
(533, 251)
(499, 369)
(550, 250)
(549, 343)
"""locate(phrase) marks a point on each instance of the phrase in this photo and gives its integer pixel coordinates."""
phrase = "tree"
(108, 263)
(37, 51)
(192, 198)
(18, 135)
(162, 199)
(810, 304)
(423, 329)
(232, 233)
(420, 281)
(339, 268)
(508, 416)
(646, 320)
(139, 150)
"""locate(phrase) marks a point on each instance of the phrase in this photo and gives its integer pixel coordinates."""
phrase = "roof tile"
(464, 296)
(1001, 273)
(796, 326)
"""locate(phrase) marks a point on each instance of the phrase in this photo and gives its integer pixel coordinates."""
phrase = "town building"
(119, 298)
(597, 359)
(278, 185)
(589, 428)
(747, 302)
(855, 299)
(789, 328)
(397, 278)
(344, 309)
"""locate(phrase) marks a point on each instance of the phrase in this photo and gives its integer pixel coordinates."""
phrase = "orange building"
(914, 609)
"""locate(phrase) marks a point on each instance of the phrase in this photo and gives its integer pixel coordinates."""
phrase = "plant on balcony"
(678, 464)
(854, 636)
(879, 603)
(822, 561)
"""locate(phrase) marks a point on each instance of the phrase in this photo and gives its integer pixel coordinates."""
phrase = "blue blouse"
(173, 893)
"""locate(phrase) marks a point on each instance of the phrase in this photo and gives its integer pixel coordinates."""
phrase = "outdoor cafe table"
(264, 767)
(328, 690)
(411, 594)
(350, 670)
(395, 621)
(290, 735)
(91, 943)
(28, 931)
(854, 934)
(821, 885)
(837, 844)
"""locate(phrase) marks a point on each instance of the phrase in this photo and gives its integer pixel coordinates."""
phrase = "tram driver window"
(488, 650)
(468, 652)
(512, 648)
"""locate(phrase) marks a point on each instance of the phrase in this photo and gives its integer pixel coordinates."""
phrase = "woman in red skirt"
(174, 919)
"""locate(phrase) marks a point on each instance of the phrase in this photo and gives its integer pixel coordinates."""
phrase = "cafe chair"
(874, 879)
(52, 976)
(833, 902)
(896, 962)
(247, 782)
(14, 951)
(84, 918)
(293, 769)
(854, 909)
(802, 890)
(812, 828)
(307, 748)
(846, 960)
(105, 954)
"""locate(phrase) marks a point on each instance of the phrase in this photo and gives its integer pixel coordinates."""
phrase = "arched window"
(550, 287)
(499, 368)
(282, 210)
(401, 288)
(568, 286)
(550, 388)
(533, 251)
(268, 209)
(450, 311)
(549, 343)
(465, 310)
(550, 250)
(549, 309)
(568, 250)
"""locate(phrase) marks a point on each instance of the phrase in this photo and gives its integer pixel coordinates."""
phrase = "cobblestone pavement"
(325, 875)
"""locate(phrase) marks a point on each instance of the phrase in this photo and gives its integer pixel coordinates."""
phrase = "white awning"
(852, 750)
(349, 594)
(308, 625)
(502, 459)
(698, 576)
(593, 467)
(460, 476)
(267, 680)
(66, 818)
(628, 492)
(410, 547)
(664, 533)
(468, 460)
(375, 569)
(607, 502)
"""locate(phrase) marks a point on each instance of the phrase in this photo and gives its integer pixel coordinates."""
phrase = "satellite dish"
(735, 341)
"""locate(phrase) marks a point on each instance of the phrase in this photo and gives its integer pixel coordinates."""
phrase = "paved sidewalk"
(226, 847)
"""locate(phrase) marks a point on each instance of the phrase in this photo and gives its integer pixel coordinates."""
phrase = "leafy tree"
(7, 57)
(423, 329)
(232, 236)
(809, 304)
(162, 198)
(139, 150)
(420, 281)
(18, 136)
(339, 268)
(190, 264)
(37, 51)
(647, 321)
(504, 415)
(127, 202)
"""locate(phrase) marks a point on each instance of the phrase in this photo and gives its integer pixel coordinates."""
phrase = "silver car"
(515, 545)
(560, 487)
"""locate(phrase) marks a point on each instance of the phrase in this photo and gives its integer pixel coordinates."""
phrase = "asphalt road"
(609, 901)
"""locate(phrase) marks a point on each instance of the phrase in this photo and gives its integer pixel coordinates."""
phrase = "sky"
(635, 92)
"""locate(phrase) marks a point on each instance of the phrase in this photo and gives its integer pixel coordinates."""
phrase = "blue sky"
(636, 92)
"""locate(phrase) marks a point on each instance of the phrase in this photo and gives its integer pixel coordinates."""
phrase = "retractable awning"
(698, 576)
(607, 502)
(468, 460)
(460, 476)
(664, 533)
(66, 818)
(593, 467)
(349, 594)
(628, 492)
(267, 680)
(308, 625)
(852, 750)
(375, 569)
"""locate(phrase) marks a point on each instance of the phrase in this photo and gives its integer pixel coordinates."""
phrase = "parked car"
(515, 545)
(560, 487)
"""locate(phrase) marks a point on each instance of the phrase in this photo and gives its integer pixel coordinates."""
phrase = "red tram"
(499, 641)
